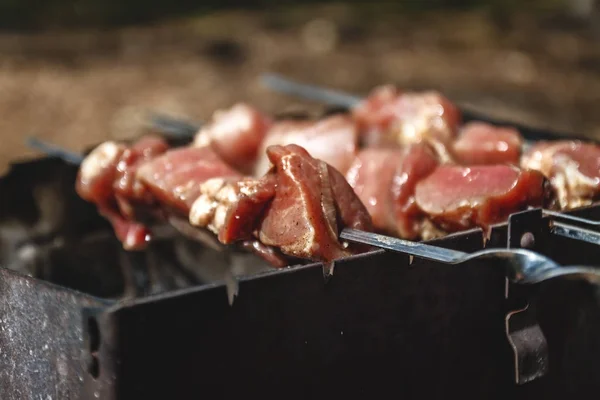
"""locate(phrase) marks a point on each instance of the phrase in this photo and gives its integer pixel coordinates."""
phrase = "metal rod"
(574, 232)
(173, 126)
(567, 217)
(310, 92)
(54, 151)
(418, 249)
(522, 266)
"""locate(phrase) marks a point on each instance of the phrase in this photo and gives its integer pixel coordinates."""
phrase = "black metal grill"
(93, 321)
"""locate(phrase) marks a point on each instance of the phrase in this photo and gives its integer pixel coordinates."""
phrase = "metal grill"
(81, 318)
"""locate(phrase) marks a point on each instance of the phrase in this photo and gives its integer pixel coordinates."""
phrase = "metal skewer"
(572, 218)
(310, 92)
(523, 266)
(171, 126)
(585, 230)
(54, 151)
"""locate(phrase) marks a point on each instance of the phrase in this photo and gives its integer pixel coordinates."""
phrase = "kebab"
(200, 173)
(173, 176)
(235, 142)
(147, 181)
(570, 165)
(196, 182)
(384, 175)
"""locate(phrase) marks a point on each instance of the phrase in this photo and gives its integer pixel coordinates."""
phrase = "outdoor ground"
(80, 88)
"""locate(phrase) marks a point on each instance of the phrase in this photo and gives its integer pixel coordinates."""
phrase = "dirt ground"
(80, 88)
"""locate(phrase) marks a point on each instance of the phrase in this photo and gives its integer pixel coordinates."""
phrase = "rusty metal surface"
(41, 339)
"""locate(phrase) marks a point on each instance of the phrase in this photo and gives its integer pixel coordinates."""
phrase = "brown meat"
(299, 207)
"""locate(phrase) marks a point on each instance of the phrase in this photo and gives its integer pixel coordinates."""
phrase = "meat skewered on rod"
(371, 171)
(571, 166)
(389, 116)
(206, 182)
(132, 185)
(298, 207)
(255, 194)
(337, 98)
(135, 235)
(239, 164)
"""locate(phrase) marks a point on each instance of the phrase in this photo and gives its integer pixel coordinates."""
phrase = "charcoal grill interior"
(157, 323)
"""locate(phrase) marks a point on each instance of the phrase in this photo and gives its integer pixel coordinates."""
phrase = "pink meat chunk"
(174, 178)
(298, 207)
(573, 168)
(483, 143)
(371, 176)
(236, 135)
(302, 217)
(457, 197)
(333, 140)
(389, 116)
(417, 164)
(106, 178)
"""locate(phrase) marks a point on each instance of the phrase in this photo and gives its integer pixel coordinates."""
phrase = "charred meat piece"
(389, 116)
(236, 135)
(333, 140)
(573, 168)
(483, 143)
(457, 198)
(299, 207)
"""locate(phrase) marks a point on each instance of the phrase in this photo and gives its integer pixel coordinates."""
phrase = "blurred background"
(77, 72)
